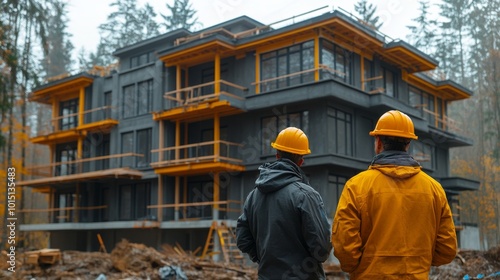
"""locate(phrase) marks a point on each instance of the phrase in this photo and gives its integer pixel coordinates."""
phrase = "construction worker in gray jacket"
(284, 227)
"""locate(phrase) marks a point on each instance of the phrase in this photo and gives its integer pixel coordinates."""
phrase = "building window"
(389, 82)
(138, 101)
(66, 154)
(341, 132)
(68, 111)
(143, 147)
(334, 191)
(337, 60)
(107, 105)
(422, 152)
(145, 97)
(368, 75)
(134, 200)
(125, 202)
(287, 63)
(141, 59)
(271, 126)
(127, 147)
(129, 102)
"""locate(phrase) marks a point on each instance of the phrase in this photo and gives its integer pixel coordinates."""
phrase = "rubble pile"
(470, 264)
(137, 261)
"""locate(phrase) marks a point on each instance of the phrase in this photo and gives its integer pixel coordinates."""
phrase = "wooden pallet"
(44, 256)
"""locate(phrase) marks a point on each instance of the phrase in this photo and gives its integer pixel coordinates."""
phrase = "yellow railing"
(198, 210)
(99, 114)
(78, 166)
(204, 92)
(59, 215)
(198, 152)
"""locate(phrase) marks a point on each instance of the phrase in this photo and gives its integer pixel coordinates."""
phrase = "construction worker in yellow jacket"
(393, 221)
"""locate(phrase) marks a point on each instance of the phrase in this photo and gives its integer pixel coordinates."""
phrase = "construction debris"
(137, 261)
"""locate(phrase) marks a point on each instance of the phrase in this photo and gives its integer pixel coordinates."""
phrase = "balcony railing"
(204, 93)
(81, 165)
(199, 152)
(442, 122)
(70, 121)
(199, 210)
(298, 78)
(65, 214)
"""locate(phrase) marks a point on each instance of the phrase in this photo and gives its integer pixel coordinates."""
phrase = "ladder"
(221, 239)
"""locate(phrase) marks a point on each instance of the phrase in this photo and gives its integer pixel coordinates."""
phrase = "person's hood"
(396, 164)
(279, 174)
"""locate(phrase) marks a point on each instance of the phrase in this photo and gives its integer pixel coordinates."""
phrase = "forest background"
(35, 45)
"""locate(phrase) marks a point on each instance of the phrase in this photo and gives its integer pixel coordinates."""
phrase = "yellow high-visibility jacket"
(393, 222)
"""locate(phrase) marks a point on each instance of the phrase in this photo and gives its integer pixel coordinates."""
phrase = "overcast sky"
(86, 15)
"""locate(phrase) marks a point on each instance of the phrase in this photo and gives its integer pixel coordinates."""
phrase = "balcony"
(199, 158)
(202, 101)
(66, 128)
(102, 167)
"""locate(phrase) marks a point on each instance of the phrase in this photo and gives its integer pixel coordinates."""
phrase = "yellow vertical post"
(216, 137)
(257, 73)
(177, 138)
(178, 86)
(81, 104)
(316, 58)
(217, 74)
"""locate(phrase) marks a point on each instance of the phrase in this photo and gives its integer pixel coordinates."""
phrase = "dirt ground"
(136, 261)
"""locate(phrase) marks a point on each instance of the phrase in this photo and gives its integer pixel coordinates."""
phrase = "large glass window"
(287, 63)
(423, 153)
(68, 111)
(141, 59)
(107, 105)
(66, 154)
(138, 100)
(337, 60)
(341, 132)
(271, 126)
(335, 187)
(145, 97)
(134, 200)
(127, 147)
(129, 101)
(144, 147)
(389, 83)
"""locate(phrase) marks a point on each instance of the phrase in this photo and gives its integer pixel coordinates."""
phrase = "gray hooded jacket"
(284, 226)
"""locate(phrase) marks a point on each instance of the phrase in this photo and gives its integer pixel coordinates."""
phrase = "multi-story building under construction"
(167, 142)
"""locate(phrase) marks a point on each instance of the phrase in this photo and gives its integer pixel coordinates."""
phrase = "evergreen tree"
(367, 13)
(22, 24)
(454, 26)
(125, 26)
(422, 34)
(58, 59)
(182, 16)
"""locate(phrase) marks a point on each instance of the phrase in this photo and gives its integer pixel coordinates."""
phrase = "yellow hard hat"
(394, 123)
(292, 140)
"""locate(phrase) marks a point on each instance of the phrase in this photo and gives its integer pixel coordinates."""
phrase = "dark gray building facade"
(168, 141)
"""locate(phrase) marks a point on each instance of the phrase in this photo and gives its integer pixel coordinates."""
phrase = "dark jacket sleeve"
(244, 237)
(316, 228)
